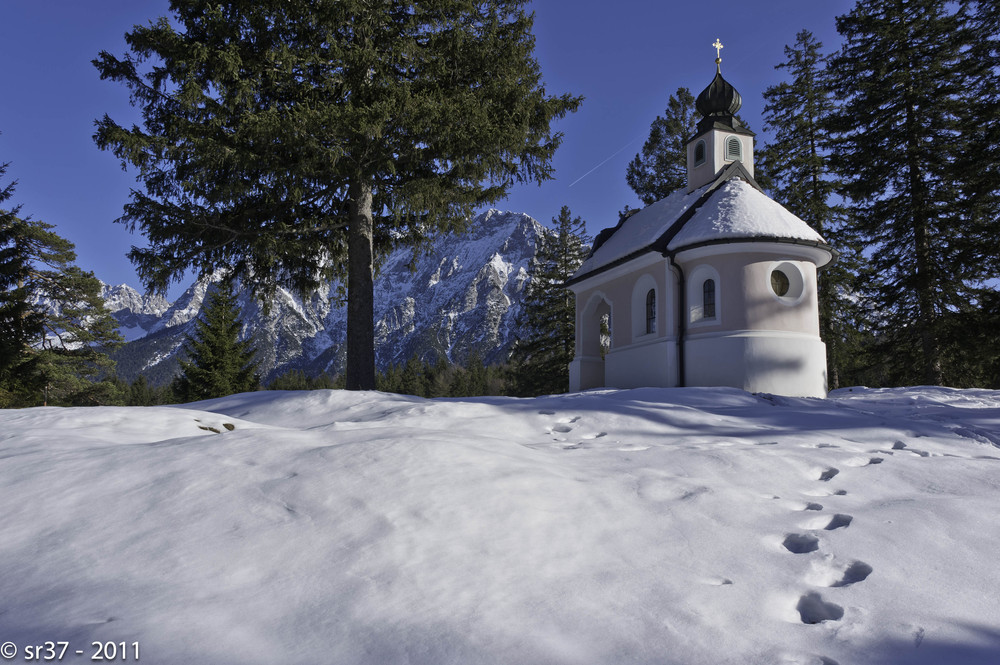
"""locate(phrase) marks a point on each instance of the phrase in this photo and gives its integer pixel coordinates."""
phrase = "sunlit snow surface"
(687, 527)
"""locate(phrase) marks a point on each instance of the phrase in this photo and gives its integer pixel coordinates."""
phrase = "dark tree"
(218, 364)
(661, 167)
(54, 329)
(542, 354)
(293, 140)
(20, 324)
(413, 379)
(913, 149)
(797, 162)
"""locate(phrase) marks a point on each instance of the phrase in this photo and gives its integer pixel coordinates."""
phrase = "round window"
(779, 283)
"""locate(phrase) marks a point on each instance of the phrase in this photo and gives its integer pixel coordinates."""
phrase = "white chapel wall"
(635, 358)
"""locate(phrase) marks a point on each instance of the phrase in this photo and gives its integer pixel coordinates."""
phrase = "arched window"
(702, 289)
(643, 307)
(699, 153)
(708, 299)
(734, 150)
(651, 312)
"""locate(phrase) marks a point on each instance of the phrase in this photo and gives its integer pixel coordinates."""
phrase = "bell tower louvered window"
(734, 150)
(699, 153)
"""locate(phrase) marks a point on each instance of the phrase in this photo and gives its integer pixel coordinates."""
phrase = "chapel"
(715, 285)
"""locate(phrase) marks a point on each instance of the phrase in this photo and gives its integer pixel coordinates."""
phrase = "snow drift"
(668, 526)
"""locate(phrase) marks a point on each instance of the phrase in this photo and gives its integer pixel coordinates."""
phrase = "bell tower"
(720, 138)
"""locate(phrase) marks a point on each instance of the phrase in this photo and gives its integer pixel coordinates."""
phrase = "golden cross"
(718, 49)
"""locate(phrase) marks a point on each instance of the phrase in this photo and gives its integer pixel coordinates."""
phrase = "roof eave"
(816, 244)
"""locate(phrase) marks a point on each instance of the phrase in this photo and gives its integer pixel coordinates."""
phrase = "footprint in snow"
(564, 426)
(800, 543)
(864, 461)
(828, 523)
(899, 445)
(718, 581)
(823, 492)
(828, 573)
(813, 609)
(828, 474)
(807, 659)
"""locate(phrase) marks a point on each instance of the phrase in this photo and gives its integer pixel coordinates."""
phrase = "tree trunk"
(926, 319)
(360, 291)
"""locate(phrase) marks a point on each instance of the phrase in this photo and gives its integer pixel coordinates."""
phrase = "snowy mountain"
(461, 295)
(642, 527)
(136, 313)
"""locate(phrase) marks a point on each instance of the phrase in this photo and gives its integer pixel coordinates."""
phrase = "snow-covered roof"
(641, 230)
(739, 210)
(732, 207)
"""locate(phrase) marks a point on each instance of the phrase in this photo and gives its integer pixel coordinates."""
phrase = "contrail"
(602, 163)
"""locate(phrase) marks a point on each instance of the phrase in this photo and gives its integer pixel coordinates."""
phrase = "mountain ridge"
(458, 296)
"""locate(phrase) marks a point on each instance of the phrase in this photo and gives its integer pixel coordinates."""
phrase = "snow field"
(683, 526)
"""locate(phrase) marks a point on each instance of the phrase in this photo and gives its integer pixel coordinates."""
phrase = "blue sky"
(626, 58)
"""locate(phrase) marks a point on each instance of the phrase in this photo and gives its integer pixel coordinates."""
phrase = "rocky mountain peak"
(457, 295)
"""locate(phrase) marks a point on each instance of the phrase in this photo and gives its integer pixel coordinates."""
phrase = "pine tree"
(218, 364)
(541, 357)
(798, 164)
(437, 377)
(412, 380)
(661, 167)
(390, 380)
(293, 140)
(912, 164)
(476, 376)
(54, 330)
(20, 324)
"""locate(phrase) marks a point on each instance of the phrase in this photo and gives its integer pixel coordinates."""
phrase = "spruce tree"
(911, 163)
(20, 324)
(476, 376)
(661, 167)
(544, 350)
(54, 330)
(412, 380)
(293, 140)
(797, 161)
(218, 364)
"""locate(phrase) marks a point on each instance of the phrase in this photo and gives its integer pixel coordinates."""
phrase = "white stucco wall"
(758, 361)
(643, 364)
(635, 358)
(758, 341)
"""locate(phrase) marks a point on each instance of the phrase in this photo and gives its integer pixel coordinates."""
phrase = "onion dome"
(719, 98)
(719, 102)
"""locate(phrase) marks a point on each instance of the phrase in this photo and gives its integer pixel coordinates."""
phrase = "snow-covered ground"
(688, 527)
